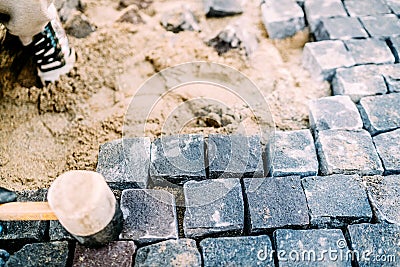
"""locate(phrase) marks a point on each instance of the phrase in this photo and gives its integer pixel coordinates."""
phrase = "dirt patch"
(46, 131)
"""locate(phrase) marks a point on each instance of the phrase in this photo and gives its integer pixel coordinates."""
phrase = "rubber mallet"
(81, 201)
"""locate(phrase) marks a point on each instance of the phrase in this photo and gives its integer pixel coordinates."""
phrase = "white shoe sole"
(54, 75)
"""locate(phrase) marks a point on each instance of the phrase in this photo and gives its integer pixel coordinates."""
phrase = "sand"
(46, 131)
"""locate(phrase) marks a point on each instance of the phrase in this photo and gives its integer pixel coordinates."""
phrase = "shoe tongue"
(7, 196)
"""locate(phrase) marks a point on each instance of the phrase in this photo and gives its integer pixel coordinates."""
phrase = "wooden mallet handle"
(26, 211)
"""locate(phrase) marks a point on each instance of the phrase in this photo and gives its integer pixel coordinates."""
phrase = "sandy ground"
(46, 131)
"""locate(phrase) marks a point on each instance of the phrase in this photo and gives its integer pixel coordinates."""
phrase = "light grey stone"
(370, 51)
(282, 18)
(317, 9)
(347, 152)
(381, 113)
(359, 81)
(334, 113)
(322, 59)
(339, 28)
(295, 154)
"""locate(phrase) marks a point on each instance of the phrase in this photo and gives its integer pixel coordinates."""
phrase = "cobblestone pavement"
(331, 198)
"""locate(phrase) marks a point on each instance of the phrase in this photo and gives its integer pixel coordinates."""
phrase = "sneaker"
(52, 53)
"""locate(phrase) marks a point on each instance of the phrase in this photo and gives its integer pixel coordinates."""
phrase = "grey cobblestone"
(242, 251)
(58, 233)
(282, 19)
(118, 254)
(394, 6)
(213, 207)
(295, 154)
(388, 147)
(384, 194)
(170, 253)
(178, 158)
(124, 163)
(234, 156)
(292, 246)
(376, 244)
(25, 230)
(317, 9)
(367, 51)
(276, 202)
(358, 82)
(322, 59)
(40, 254)
(149, 215)
(336, 200)
(378, 119)
(358, 8)
(334, 113)
(342, 28)
(381, 26)
(391, 73)
(347, 152)
(221, 8)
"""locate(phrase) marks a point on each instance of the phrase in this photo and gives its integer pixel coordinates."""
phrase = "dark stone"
(213, 207)
(131, 15)
(54, 254)
(79, 26)
(7, 195)
(313, 248)
(295, 154)
(242, 251)
(149, 215)
(66, 8)
(391, 73)
(388, 147)
(334, 113)
(234, 156)
(118, 254)
(373, 242)
(347, 152)
(222, 8)
(276, 202)
(381, 26)
(384, 195)
(183, 20)
(234, 36)
(358, 82)
(282, 18)
(171, 253)
(178, 159)
(315, 11)
(58, 233)
(381, 113)
(25, 230)
(125, 162)
(366, 51)
(336, 200)
(322, 59)
(359, 8)
(342, 28)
